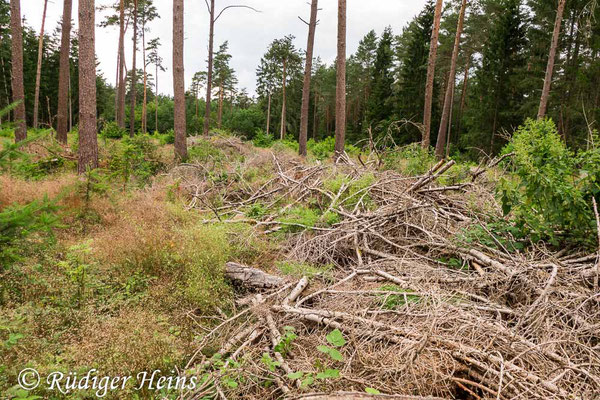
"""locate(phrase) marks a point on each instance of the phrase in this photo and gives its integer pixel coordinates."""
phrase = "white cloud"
(248, 33)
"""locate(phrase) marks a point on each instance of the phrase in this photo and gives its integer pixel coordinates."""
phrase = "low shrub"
(262, 139)
(18, 222)
(112, 130)
(410, 160)
(548, 195)
(205, 151)
(325, 148)
(134, 158)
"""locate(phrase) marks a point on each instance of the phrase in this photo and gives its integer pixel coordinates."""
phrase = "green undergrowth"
(299, 269)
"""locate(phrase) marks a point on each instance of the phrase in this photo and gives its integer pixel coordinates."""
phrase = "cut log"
(251, 277)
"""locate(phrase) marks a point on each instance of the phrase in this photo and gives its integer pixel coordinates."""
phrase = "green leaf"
(329, 374)
(230, 382)
(295, 375)
(336, 355)
(309, 380)
(331, 352)
(336, 338)
(372, 391)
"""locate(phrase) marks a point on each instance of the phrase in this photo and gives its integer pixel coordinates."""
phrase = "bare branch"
(236, 6)
(300, 18)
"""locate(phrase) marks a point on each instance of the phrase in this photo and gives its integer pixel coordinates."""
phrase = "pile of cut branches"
(416, 306)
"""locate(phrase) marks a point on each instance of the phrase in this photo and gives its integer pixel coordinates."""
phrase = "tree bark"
(220, 113)
(88, 141)
(268, 113)
(282, 129)
(18, 89)
(441, 139)
(178, 82)
(315, 111)
(211, 37)
(121, 81)
(463, 95)
(551, 58)
(340, 89)
(144, 102)
(64, 74)
(435, 33)
(156, 100)
(251, 277)
(133, 71)
(312, 26)
(38, 73)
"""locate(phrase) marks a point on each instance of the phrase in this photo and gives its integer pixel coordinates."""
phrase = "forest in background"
(499, 71)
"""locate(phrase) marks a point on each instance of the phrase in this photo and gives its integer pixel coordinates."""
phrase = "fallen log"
(251, 277)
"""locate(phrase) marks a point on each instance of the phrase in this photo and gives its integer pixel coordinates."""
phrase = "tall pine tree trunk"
(64, 74)
(133, 71)
(463, 95)
(38, 74)
(340, 88)
(88, 141)
(268, 113)
(312, 26)
(441, 139)
(315, 113)
(435, 33)
(551, 58)
(282, 128)
(156, 100)
(211, 38)
(178, 82)
(144, 102)
(121, 89)
(18, 89)
(220, 114)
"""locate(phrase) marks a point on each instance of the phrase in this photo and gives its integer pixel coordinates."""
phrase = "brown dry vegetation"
(397, 263)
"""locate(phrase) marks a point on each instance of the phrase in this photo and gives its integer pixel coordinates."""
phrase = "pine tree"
(498, 94)
(340, 86)
(178, 82)
(312, 27)
(223, 74)
(88, 141)
(380, 105)
(413, 51)
(64, 75)
(18, 90)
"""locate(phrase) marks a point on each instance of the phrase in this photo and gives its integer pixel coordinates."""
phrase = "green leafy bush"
(204, 151)
(325, 148)
(261, 139)
(167, 138)
(410, 160)
(134, 157)
(286, 144)
(549, 193)
(112, 130)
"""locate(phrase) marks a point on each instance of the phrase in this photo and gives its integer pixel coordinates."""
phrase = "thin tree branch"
(236, 6)
(300, 18)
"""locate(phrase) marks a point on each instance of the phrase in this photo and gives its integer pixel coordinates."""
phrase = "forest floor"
(269, 276)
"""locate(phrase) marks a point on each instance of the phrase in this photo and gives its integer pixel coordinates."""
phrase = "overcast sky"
(248, 33)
